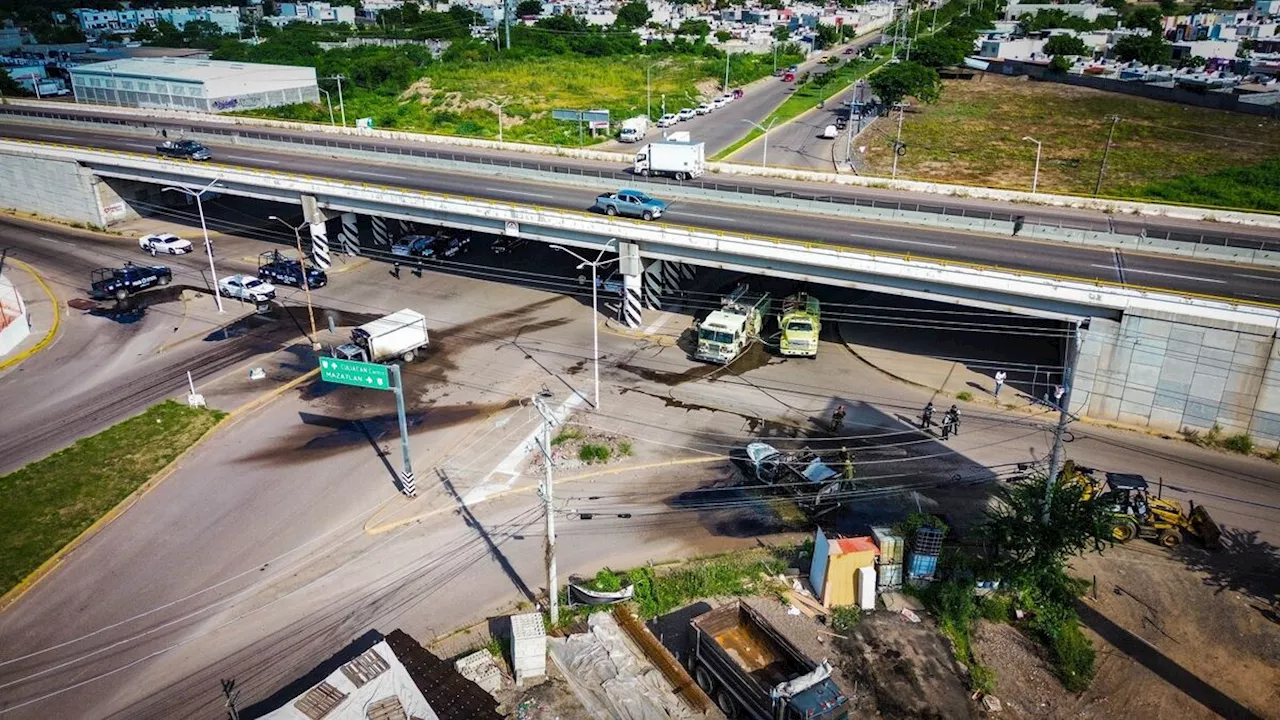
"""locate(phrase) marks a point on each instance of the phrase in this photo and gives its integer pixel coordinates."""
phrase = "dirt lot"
(1172, 642)
(974, 135)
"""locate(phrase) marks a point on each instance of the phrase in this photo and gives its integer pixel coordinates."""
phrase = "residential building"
(317, 13)
(106, 22)
(1088, 11)
(188, 84)
(1027, 48)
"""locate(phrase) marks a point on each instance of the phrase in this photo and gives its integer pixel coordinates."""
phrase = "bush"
(624, 448)
(982, 679)
(565, 436)
(592, 453)
(1240, 442)
(964, 395)
(1073, 654)
(844, 619)
(996, 608)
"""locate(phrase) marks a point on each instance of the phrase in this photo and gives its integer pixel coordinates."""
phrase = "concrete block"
(1207, 387)
(1148, 357)
(1106, 407)
(1216, 360)
(1146, 377)
(1200, 414)
(1187, 334)
(1131, 414)
(1179, 371)
(1220, 339)
(1137, 397)
(1152, 328)
(1163, 419)
(1249, 347)
(1265, 425)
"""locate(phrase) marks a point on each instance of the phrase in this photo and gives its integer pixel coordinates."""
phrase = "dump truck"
(677, 156)
(399, 335)
(726, 333)
(752, 671)
(799, 322)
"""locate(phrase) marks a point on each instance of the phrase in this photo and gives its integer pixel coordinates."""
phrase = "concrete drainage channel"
(1115, 241)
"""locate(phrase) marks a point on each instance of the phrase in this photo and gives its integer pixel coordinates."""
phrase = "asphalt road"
(1155, 227)
(1241, 283)
(799, 143)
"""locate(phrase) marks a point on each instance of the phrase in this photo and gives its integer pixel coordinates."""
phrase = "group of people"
(950, 421)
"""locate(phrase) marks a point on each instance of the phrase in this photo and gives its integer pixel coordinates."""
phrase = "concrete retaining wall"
(1170, 372)
(54, 188)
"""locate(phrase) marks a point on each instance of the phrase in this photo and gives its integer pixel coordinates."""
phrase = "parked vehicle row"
(442, 244)
(705, 108)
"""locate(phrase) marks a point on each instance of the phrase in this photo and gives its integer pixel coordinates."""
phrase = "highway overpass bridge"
(1167, 341)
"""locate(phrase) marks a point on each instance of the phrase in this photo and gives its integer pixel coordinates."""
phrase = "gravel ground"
(1025, 682)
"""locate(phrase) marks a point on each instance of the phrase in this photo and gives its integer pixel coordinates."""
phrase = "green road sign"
(353, 372)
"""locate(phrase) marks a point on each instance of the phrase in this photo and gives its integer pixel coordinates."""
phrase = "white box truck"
(634, 129)
(396, 336)
(676, 155)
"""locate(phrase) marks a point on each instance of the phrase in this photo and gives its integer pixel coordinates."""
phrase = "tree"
(201, 34)
(1145, 18)
(940, 51)
(1065, 45)
(827, 35)
(1195, 61)
(694, 28)
(10, 87)
(634, 14)
(1059, 65)
(722, 36)
(1146, 49)
(528, 8)
(895, 82)
(1115, 4)
(781, 33)
(1168, 6)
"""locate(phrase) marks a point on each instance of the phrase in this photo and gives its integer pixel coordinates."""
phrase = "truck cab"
(721, 336)
(800, 326)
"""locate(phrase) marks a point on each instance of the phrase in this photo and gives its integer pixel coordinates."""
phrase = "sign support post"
(376, 377)
(406, 474)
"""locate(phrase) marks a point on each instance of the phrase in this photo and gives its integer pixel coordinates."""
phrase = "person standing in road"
(1000, 378)
(1058, 392)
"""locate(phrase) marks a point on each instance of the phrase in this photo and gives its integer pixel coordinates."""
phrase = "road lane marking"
(1164, 274)
(1257, 277)
(519, 192)
(377, 174)
(1253, 295)
(906, 242)
(1119, 264)
(60, 137)
(256, 160)
(709, 217)
(509, 467)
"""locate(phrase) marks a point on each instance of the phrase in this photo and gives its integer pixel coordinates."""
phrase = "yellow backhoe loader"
(1138, 514)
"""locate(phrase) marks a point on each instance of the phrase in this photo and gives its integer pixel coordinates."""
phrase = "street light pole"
(328, 97)
(648, 91)
(595, 308)
(1102, 169)
(1035, 177)
(764, 159)
(208, 246)
(897, 144)
(342, 107)
(499, 106)
(726, 71)
(306, 283)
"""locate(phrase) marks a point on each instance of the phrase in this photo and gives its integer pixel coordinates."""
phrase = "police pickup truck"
(280, 269)
(189, 149)
(120, 283)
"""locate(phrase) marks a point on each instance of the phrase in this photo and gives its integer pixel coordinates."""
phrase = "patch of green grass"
(1240, 443)
(49, 502)
(982, 679)
(624, 448)
(565, 436)
(592, 453)
(996, 607)
(494, 646)
(964, 396)
(845, 618)
(974, 135)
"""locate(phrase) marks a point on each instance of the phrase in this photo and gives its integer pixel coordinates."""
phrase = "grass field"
(49, 502)
(451, 98)
(973, 135)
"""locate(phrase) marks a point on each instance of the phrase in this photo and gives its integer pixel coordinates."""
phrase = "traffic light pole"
(406, 474)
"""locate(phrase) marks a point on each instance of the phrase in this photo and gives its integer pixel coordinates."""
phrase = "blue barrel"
(922, 566)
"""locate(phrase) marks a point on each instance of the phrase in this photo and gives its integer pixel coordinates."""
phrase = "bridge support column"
(379, 226)
(350, 234)
(316, 217)
(662, 282)
(632, 270)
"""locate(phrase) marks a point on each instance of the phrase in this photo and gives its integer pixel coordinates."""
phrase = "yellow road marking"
(53, 330)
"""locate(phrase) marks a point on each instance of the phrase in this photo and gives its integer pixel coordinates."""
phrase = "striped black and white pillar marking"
(379, 231)
(653, 285)
(672, 278)
(406, 484)
(350, 234)
(406, 227)
(686, 270)
(632, 291)
(320, 246)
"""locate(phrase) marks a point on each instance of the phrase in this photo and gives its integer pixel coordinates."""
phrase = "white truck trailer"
(634, 129)
(399, 335)
(677, 155)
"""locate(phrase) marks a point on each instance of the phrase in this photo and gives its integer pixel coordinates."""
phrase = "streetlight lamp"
(342, 107)
(499, 106)
(595, 326)
(1035, 178)
(328, 97)
(764, 159)
(208, 246)
(306, 282)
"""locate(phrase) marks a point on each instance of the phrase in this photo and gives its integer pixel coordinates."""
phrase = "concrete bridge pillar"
(316, 217)
(662, 281)
(379, 229)
(349, 235)
(632, 270)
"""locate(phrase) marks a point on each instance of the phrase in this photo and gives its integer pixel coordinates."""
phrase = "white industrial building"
(191, 84)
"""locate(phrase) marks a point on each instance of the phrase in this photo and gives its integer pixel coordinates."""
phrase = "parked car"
(667, 120)
(247, 288)
(452, 245)
(189, 149)
(164, 243)
(612, 284)
(631, 203)
(120, 283)
(728, 98)
(704, 109)
(738, 93)
(849, 51)
(506, 244)
(414, 246)
(687, 114)
(718, 103)
(830, 132)
(275, 267)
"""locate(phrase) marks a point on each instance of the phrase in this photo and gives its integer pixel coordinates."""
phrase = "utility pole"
(726, 71)
(1064, 417)
(595, 306)
(548, 420)
(1035, 177)
(897, 144)
(306, 282)
(499, 106)
(208, 246)
(506, 20)
(341, 106)
(327, 96)
(1102, 169)
(406, 474)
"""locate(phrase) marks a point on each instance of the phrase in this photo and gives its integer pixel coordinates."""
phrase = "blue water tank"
(922, 566)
